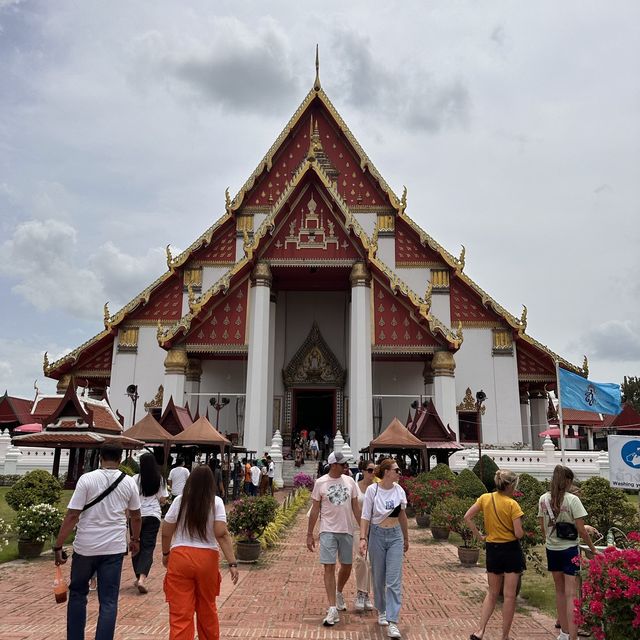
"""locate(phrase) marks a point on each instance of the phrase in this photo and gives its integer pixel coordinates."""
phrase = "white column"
(525, 416)
(256, 413)
(444, 389)
(272, 353)
(360, 394)
(175, 367)
(192, 385)
(538, 402)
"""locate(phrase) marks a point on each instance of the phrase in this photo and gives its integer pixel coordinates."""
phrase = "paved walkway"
(282, 597)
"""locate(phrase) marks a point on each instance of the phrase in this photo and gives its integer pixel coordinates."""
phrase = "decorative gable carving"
(221, 250)
(410, 252)
(165, 304)
(467, 308)
(314, 363)
(531, 367)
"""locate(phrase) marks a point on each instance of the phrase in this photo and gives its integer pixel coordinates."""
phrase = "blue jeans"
(108, 569)
(386, 551)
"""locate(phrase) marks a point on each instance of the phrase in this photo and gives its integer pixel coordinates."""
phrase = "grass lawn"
(9, 515)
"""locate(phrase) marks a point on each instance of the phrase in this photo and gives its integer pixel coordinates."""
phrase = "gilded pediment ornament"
(227, 200)
(468, 404)
(403, 199)
(156, 403)
(461, 259)
(169, 258)
(585, 366)
(107, 316)
(45, 363)
(459, 334)
(523, 318)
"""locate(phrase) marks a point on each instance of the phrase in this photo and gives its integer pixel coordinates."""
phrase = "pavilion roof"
(429, 428)
(396, 436)
(175, 419)
(581, 418)
(148, 430)
(14, 409)
(66, 439)
(627, 419)
(203, 433)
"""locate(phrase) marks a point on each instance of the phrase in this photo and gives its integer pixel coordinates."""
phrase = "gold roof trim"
(267, 160)
(72, 357)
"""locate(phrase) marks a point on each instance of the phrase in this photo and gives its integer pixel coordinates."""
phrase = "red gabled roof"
(44, 406)
(627, 419)
(428, 426)
(13, 409)
(581, 418)
(175, 419)
(396, 436)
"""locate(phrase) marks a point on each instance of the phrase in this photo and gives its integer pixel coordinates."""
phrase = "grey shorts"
(336, 544)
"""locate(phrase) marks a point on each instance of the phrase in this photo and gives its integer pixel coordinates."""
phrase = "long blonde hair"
(560, 483)
(504, 478)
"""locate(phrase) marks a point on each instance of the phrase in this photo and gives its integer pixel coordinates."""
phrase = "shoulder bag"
(564, 530)
(106, 492)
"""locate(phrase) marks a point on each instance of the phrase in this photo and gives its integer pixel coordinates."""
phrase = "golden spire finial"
(45, 362)
(227, 200)
(461, 259)
(169, 258)
(523, 317)
(107, 316)
(585, 366)
(316, 84)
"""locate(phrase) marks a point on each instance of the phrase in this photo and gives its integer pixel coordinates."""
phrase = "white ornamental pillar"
(444, 389)
(338, 442)
(256, 410)
(525, 416)
(11, 459)
(360, 394)
(272, 356)
(276, 456)
(5, 443)
(603, 463)
(549, 456)
(538, 402)
(175, 367)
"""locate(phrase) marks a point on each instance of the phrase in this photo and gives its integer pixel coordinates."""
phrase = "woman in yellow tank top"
(505, 560)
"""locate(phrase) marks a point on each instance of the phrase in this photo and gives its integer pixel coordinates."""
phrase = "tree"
(631, 391)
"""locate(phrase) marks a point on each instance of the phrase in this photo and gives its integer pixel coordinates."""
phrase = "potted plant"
(440, 522)
(35, 525)
(427, 493)
(247, 521)
(456, 507)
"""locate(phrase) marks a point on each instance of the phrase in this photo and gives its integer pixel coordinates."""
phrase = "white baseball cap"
(337, 458)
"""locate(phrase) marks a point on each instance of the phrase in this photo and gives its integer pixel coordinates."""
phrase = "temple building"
(316, 302)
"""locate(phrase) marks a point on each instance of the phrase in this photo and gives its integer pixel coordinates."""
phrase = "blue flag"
(579, 393)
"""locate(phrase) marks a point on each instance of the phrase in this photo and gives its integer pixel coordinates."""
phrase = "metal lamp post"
(481, 396)
(132, 392)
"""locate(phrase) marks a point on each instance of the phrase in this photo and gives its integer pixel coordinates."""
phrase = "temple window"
(244, 223)
(440, 279)
(386, 223)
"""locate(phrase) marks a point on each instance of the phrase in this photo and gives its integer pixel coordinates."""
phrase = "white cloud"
(614, 340)
(21, 365)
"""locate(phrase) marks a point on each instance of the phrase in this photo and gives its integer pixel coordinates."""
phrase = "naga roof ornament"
(585, 367)
(461, 259)
(523, 318)
(107, 316)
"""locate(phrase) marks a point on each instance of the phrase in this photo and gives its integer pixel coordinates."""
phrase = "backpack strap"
(106, 492)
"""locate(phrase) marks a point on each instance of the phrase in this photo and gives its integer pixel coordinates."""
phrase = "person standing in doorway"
(335, 502)
(178, 477)
(384, 533)
(314, 447)
(98, 511)
(153, 494)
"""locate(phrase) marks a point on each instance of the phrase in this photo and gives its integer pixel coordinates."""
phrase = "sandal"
(473, 636)
(142, 588)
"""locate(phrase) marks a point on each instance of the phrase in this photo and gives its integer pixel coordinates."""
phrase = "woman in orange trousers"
(193, 532)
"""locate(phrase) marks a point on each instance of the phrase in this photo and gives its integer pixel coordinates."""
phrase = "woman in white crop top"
(194, 529)
(384, 534)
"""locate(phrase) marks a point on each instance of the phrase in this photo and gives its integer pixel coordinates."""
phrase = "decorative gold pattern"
(192, 276)
(244, 223)
(128, 340)
(227, 200)
(156, 403)
(440, 279)
(170, 264)
(261, 275)
(503, 341)
(176, 360)
(360, 275)
(443, 364)
(403, 199)
(468, 404)
(386, 223)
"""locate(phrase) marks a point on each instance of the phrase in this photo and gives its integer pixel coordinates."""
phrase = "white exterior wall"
(387, 250)
(224, 377)
(417, 278)
(401, 378)
(441, 308)
(477, 368)
(367, 221)
(211, 275)
(144, 368)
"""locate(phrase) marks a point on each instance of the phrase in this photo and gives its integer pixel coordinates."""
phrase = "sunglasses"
(396, 469)
(370, 470)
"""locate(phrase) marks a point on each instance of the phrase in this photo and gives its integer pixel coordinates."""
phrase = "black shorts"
(505, 557)
(565, 561)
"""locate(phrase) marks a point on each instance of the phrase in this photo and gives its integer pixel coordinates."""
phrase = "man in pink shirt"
(335, 501)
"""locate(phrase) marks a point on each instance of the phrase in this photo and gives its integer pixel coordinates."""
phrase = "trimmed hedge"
(36, 487)
(489, 468)
(607, 507)
(468, 485)
(9, 480)
(440, 472)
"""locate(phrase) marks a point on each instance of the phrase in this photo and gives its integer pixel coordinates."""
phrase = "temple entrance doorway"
(314, 410)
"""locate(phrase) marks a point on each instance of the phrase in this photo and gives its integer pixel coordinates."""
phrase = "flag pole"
(560, 419)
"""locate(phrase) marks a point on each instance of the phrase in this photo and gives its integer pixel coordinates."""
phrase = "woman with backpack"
(562, 515)
(153, 494)
(193, 532)
(505, 559)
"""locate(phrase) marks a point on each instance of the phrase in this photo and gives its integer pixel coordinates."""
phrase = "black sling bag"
(106, 492)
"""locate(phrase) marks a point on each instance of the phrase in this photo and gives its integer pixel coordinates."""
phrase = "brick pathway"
(283, 597)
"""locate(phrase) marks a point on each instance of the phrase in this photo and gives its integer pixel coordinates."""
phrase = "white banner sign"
(624, 462)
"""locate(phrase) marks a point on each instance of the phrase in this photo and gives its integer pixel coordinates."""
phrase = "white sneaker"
(368, 605)
(360, 601)
(393, 631)
(331, 618)
(382, 619)
(340, 603)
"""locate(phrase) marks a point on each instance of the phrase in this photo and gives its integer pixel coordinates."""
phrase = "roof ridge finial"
(316, 85)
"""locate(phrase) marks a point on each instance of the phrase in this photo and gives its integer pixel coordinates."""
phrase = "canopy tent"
(150, 431)
(396, 437)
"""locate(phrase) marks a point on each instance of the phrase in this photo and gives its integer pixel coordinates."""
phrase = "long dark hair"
(560, 483)
(197, 503)
(150, 477)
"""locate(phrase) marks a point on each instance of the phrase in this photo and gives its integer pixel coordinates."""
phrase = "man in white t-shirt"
(98, 507)
(178, 478)
(255, 478)
(335, 501)
(271, 472)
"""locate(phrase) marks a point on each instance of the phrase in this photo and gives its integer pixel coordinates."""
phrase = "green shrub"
(468, 485)
(455, 507)
(250, 516)
(38, 522)
(440, 472)
(36, 487)
(607, 507)
(528, 495)
(489, 468)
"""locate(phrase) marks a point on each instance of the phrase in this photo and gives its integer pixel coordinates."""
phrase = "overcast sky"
(514, 126)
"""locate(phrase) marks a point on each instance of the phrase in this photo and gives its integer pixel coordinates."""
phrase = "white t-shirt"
(335, 496)
(272, 470)
(102, 529)
(379, 502)
(255, 475)
(178, 478)
(150, 505)
(182, 538)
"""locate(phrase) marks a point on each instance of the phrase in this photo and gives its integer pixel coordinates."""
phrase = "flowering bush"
(36, 487)
(38, 522)
(610, 602)
(450, 512)
(5, 530)
(250, 517)
(303, 480)
(424, 494)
